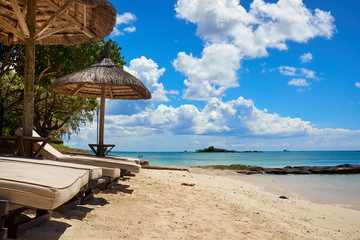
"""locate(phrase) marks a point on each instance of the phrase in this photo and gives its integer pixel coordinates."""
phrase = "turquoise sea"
(264, 159)
(329, 189)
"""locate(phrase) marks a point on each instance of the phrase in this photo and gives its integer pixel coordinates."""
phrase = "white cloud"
(236, 120)
(308, 73)
(299, 82)
(210, 75)
(299, 72)
(125, 18)
(130, 29)
(357, 84)
(265, 25)
(231, 33)
(233, 118)
(174, 92)
(306, 57)
(149, 73)
(288, 71)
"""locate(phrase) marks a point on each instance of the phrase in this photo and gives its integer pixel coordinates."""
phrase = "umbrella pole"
(28, 117)
(97, 125)
(102, 115)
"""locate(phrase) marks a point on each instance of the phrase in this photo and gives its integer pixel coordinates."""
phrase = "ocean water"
(265, 159)
(341, 190)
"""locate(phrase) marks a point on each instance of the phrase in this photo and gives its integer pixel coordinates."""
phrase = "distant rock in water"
(339, 169)
(214, 149)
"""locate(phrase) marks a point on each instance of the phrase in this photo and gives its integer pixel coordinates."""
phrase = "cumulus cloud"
(236, 118)
(149, 73)
(130, 29)
(265, 25)
(210, 75)
(298, 82)
(306, 57)
(124, 19)
(231, 33)
(357, 84)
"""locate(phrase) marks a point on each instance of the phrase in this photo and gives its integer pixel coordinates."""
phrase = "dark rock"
(340, 169)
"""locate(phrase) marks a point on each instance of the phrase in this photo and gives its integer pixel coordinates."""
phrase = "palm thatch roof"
(65, 22)
(87, 82)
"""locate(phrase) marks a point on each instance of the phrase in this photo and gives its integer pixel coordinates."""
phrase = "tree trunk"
(2, 115)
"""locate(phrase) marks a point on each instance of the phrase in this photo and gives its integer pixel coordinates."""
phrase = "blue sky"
(248, 75)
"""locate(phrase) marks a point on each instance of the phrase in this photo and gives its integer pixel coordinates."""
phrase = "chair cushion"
(111, 172)
(94, 171)
(101, 162)
(39, 186)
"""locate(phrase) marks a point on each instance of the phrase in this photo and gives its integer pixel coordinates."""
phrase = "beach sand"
(154, 205)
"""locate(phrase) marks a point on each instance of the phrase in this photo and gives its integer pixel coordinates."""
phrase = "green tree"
(54, 113)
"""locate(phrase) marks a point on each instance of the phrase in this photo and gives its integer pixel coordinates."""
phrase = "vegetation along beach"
(179, 119)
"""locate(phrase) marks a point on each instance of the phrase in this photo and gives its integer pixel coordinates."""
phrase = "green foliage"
(213, 149)
(5, 150)
(65, 149)
(54, 113)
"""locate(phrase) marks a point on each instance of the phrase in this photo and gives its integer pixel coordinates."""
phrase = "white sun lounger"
(111, 172)
(24, 185)
(39, 186)
(51, 153)
(94, 172)
(97, 180)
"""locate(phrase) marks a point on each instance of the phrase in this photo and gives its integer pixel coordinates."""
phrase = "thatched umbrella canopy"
(51, 22)
(102, 80)
(57, 22)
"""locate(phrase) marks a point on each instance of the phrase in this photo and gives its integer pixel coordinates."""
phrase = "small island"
(214, 149)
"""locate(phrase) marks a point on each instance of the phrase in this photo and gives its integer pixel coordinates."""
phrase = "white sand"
(154, 205)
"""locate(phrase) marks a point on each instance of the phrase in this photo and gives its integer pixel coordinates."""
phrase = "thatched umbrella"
(51, 22)
(104, 79)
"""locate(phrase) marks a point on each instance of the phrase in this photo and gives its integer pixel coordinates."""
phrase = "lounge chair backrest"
(48, 152)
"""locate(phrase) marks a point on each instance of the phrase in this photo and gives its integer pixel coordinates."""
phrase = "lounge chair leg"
(88, 195)
(71, 204)
(11, 222)
(16, 225)
(122, 172)
(4, 210)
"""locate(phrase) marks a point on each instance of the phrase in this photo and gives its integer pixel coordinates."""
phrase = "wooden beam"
(55, 30)
(86, 3)
(53, 18)
(66, 16)
(136, 91)
(77, 89)
(20, 18)
(24, 12)
(111, 93)
(84, 16)
(12, 29)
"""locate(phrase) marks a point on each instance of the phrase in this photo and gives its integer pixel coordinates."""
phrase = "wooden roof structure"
(58, 22)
